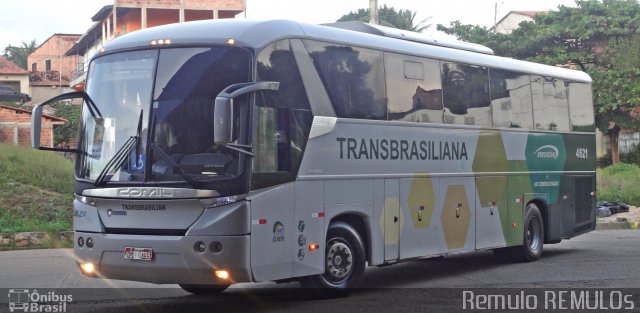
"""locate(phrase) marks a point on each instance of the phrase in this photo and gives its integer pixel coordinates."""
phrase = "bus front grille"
(150, 232)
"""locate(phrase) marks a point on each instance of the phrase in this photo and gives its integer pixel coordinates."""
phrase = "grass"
(36, 190)
(619, 183)
(46, 170)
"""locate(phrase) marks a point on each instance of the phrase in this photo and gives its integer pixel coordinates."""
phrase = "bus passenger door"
(391, 219)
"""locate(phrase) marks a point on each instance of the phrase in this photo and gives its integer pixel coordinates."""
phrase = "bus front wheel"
(344, 263)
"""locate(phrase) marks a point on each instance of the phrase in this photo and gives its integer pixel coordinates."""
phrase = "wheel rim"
(532, 234)
(339, 262)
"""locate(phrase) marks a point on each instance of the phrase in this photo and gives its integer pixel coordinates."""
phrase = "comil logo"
(546, 152)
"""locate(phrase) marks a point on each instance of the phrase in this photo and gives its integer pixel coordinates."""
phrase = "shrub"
(619, 183)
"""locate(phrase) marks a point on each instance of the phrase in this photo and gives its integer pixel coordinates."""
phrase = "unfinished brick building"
(15, 127)
(125, 16)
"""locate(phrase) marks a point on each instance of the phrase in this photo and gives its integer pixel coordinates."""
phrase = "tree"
(388, 16)
(19, 55)
(63, 134)
(600, 36)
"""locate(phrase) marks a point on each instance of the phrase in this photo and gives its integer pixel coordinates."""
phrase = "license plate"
(145, 254)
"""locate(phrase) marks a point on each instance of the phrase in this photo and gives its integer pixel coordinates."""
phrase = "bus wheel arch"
(357, 221)
(543, 207)
(535, 227)
(345, 261)
(533, 235)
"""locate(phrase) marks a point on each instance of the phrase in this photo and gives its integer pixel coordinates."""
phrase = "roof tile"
(8, 67)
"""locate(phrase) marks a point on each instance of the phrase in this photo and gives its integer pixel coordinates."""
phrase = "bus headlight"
(215, 202)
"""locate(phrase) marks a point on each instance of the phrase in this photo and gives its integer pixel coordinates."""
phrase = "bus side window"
(353, 77)
(581, 107)
(466, 94)
(414, 88)
(510, 99)
(550, 104)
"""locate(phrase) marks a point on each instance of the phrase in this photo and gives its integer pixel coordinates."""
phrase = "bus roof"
(256, 34)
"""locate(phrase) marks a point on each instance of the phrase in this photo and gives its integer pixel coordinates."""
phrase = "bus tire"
(533, 239)
(344, 263)
(204, 290)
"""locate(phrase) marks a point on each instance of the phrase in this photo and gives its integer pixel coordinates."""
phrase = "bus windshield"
(157, 115)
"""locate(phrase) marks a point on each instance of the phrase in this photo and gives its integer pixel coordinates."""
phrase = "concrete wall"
(40, 94)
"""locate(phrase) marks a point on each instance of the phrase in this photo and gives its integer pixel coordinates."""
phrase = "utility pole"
(495, 17)
(373, 12)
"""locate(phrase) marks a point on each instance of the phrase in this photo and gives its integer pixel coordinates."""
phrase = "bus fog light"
(199, 246)
(88, 268)
(89, 242)
(80, 242)
(222, 274)
(216, 247)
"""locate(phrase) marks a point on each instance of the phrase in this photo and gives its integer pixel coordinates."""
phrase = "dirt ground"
(632, 216)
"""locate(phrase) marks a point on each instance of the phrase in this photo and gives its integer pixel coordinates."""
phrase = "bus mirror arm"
(36, 119)
(223, 110)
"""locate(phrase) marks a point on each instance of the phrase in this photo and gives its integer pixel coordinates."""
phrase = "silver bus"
(218, 152)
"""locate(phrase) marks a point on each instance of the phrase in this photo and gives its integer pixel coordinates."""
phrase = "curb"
(619, 223)
(612, 225)
(33, 239)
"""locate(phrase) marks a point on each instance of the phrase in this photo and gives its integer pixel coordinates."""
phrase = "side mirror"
(36, 117)
(223, 110)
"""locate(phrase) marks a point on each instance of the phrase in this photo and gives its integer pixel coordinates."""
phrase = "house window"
(47, 65)
(34, 67)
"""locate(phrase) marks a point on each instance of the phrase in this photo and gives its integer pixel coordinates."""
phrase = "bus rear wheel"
(344, 263)
(204, 290)
(533, 239)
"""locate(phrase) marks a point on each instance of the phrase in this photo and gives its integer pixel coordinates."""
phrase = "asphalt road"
(602, 260)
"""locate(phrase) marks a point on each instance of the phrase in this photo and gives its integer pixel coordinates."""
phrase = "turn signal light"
(313, 246)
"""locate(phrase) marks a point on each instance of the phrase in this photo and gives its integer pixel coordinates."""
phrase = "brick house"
(49, 56)
(50, 67)
(15, 127)
(126, 16)
(13, 76)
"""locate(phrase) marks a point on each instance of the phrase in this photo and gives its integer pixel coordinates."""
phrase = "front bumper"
(175, 261)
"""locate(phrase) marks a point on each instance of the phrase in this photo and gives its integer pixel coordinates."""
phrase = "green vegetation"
(619, 183)
(19, 55)
(67, 132)
(36, 190)
(599, 36)
(388, 16)
(632, 157)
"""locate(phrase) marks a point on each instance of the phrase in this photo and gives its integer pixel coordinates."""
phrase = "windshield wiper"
(173, 164)
(121, 154)
(117, 159)
(246, 149)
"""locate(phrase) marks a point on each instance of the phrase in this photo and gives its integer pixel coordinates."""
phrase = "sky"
(24, 20)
